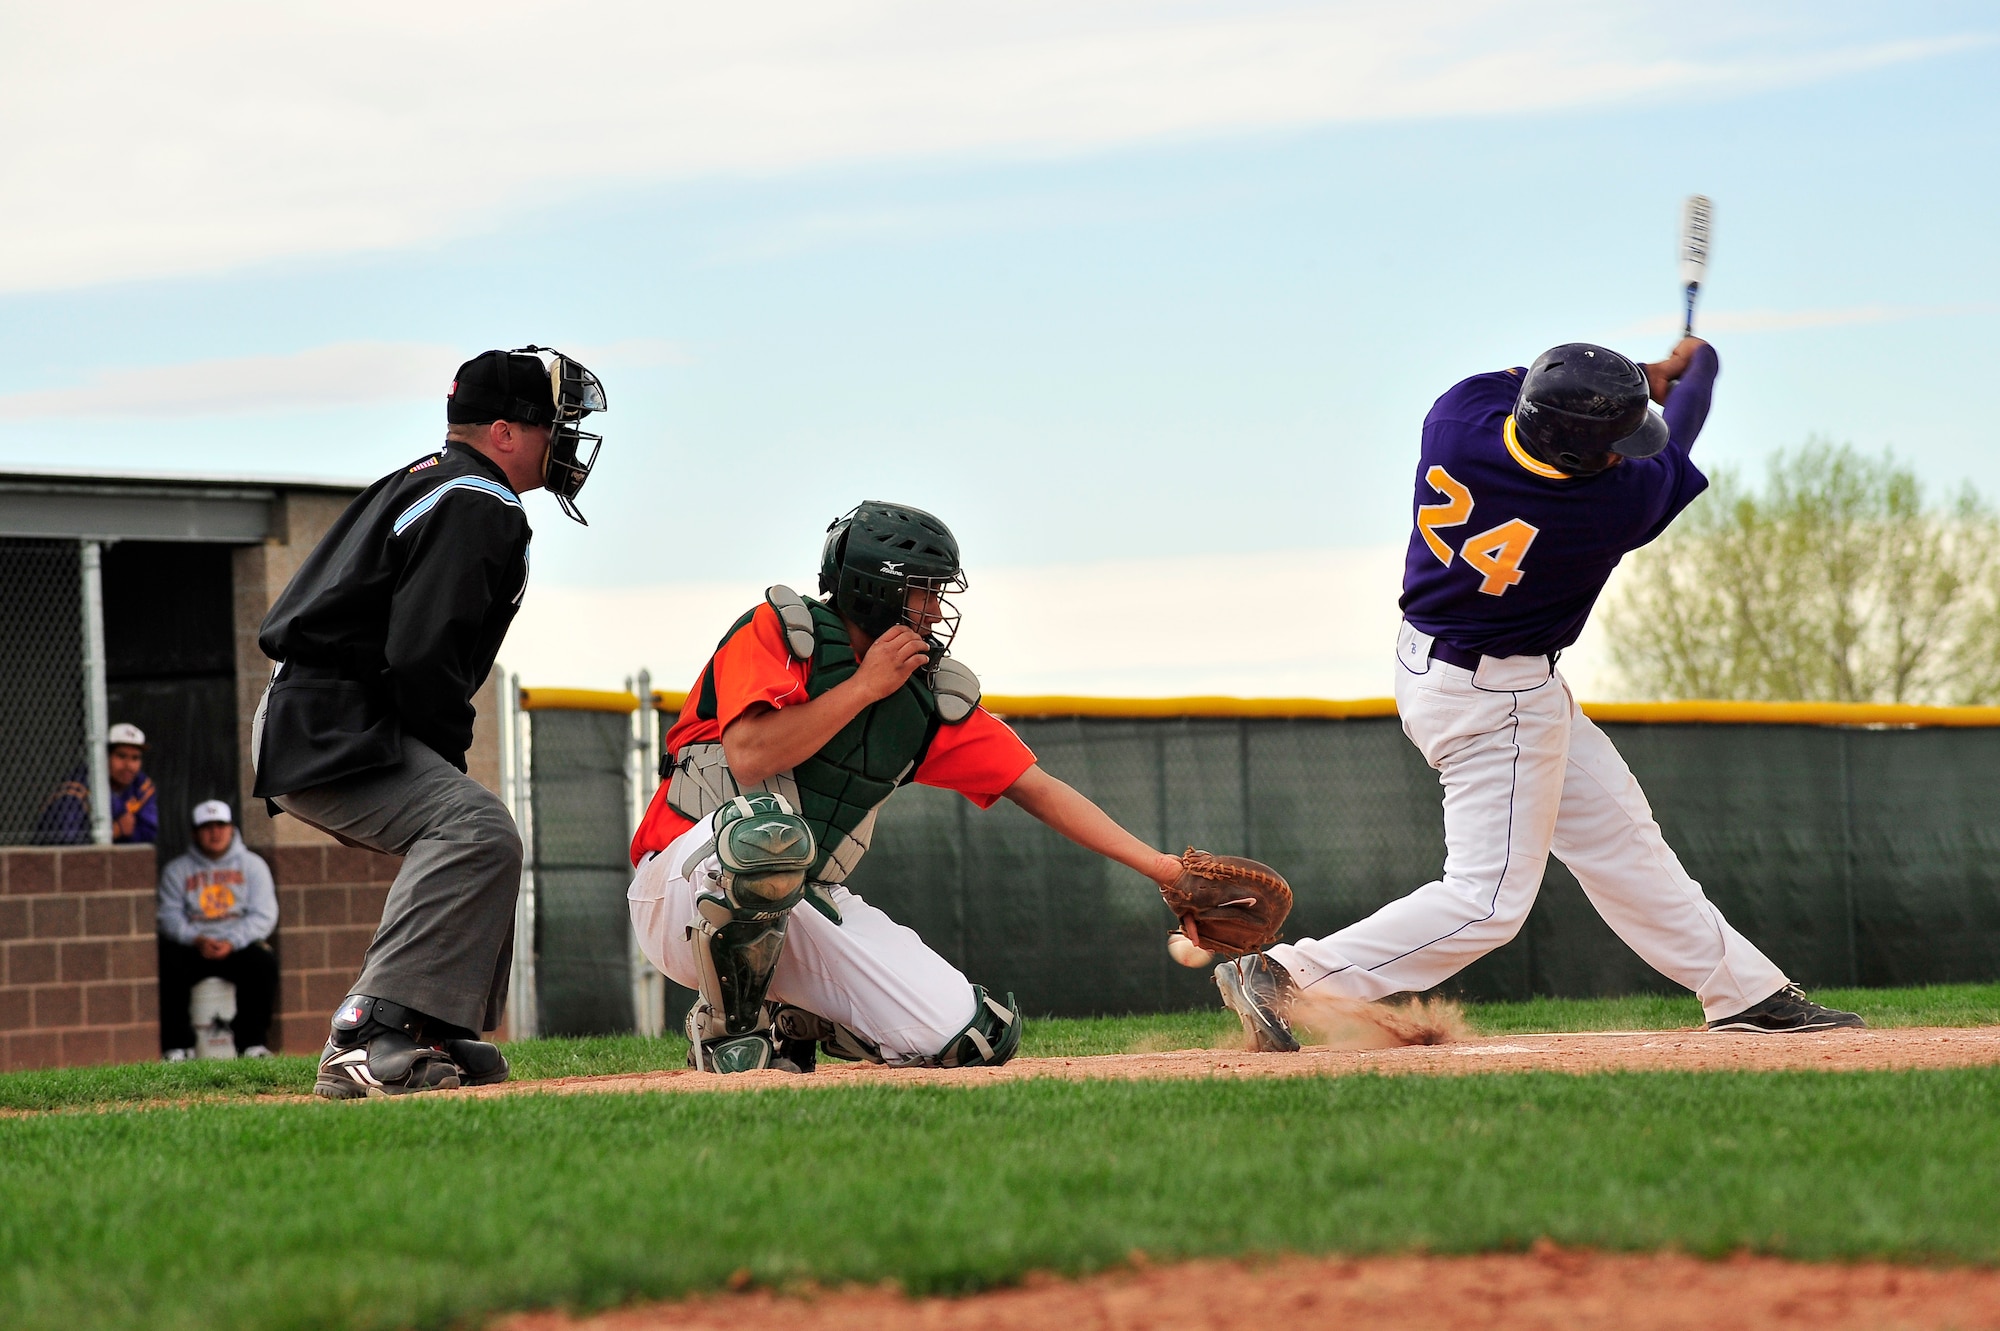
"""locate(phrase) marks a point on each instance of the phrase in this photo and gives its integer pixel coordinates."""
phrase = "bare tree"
(1836, 583)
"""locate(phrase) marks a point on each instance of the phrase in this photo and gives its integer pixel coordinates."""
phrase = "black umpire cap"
(501, 386)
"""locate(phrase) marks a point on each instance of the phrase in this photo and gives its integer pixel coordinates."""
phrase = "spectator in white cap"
(135, 804)
(218, 907)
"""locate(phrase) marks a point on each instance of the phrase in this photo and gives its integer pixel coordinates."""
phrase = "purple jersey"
(1508, 555)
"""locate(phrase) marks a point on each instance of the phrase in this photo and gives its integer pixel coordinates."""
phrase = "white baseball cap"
(211, 811)
(126, 733)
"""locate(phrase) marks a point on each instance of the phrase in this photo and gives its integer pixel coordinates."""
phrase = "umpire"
(381, 639)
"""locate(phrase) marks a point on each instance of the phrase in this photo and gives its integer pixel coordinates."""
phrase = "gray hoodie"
(230, 897)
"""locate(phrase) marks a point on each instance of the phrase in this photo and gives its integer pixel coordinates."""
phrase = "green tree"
(1837, 583)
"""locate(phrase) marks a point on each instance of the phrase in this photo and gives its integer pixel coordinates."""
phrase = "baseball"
(1183, 950)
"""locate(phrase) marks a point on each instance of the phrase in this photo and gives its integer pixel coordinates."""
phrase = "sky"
(1146, 299)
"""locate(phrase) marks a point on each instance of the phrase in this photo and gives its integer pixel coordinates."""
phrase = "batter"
(805, 721)
(1531, 486)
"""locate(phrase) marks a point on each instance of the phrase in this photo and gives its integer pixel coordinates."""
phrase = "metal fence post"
(524, 1001)
(649, 987)
(97, 706)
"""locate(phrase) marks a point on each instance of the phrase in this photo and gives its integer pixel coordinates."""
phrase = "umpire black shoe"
(1787, 1012)
(389, 1064)
(379, 1048)
(1260, 992)
(478, 1063)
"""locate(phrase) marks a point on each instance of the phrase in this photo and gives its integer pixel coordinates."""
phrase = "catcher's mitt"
(1227, 904)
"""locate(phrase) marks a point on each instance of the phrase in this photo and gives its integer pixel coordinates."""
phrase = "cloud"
(1782, 321)
(339, 375)
(342, 374)
(147, 140)
(1299, 623)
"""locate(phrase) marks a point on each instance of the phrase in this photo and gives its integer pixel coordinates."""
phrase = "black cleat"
(1787, 1012)
(803, 1036)
(1260, 992)
(479, 1063)
(391, 1063)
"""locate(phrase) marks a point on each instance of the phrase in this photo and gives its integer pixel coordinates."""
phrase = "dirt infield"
(1597, 1051)
(1544, 1288)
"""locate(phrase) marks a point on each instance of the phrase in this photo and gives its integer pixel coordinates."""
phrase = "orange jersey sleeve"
(752, 666)
(979, 758)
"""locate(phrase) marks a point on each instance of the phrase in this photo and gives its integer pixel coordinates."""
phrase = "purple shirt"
(1508, 555)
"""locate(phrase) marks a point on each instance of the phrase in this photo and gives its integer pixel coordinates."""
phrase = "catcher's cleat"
(1787, 1012)
(1260, 992)
(479, 1063)
(756, 1052)
(389, 1064)
(802, 1035)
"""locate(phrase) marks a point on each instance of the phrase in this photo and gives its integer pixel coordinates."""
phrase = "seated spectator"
(135, 805)
(218, 907)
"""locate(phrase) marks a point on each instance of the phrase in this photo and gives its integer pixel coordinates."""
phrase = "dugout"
(1854, 843)
(129, 598)
(137, 597)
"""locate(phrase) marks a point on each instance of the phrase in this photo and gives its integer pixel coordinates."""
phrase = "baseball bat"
(1695, 217)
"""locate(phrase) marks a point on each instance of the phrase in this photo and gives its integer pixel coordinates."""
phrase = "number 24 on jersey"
(1496, 553)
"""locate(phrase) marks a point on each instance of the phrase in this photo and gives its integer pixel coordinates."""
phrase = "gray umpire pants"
(446, 941)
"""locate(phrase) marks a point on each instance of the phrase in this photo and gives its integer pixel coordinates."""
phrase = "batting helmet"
(1583, 405)
(876, 553)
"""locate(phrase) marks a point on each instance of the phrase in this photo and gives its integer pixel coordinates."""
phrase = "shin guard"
(761, 853)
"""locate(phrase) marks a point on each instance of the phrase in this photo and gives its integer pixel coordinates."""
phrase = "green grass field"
(424, 1212)
(186, 1202)
(1053, 1037)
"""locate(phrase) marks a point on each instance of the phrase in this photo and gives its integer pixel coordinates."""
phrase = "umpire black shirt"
(393, 622)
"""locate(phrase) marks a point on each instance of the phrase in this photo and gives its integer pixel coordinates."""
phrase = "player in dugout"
(1531, 486)
(382, 639)
(804, 722)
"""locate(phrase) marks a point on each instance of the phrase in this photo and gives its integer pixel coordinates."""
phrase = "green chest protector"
(839, 789)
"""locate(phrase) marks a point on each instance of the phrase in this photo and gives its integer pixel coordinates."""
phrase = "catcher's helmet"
(877, 553)
(1582, 405)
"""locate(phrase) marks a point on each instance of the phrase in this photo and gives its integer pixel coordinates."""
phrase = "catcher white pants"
(1524, 772)
(869, 973)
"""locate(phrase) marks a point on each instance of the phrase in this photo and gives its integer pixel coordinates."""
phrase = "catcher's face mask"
(929, 609)
(577, 392)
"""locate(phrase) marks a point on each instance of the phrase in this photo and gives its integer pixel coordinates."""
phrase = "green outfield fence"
(1856, 844)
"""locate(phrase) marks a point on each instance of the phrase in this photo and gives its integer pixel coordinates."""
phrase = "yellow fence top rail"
(1715, 712)
(578, 700)
(1206, 706)
(1695, 712)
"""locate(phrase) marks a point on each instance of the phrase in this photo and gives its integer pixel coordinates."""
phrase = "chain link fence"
(44, 777)
(582, 766)
(1346, 808)
(1853, 855)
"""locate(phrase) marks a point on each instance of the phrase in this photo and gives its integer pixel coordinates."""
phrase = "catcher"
(804, 722)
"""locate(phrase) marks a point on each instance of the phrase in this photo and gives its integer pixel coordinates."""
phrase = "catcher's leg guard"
(988, 1040)
(1260, 992)
(762, 852)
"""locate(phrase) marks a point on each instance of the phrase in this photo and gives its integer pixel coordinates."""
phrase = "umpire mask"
(577, 393)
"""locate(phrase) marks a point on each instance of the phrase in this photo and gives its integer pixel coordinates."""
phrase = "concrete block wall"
(79, 978)
(329, 901)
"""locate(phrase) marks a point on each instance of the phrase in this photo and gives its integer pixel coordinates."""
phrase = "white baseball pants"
(1524, 772)
(869, 973)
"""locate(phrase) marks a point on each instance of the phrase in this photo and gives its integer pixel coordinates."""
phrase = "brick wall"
(79, 978)
(329, 902)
